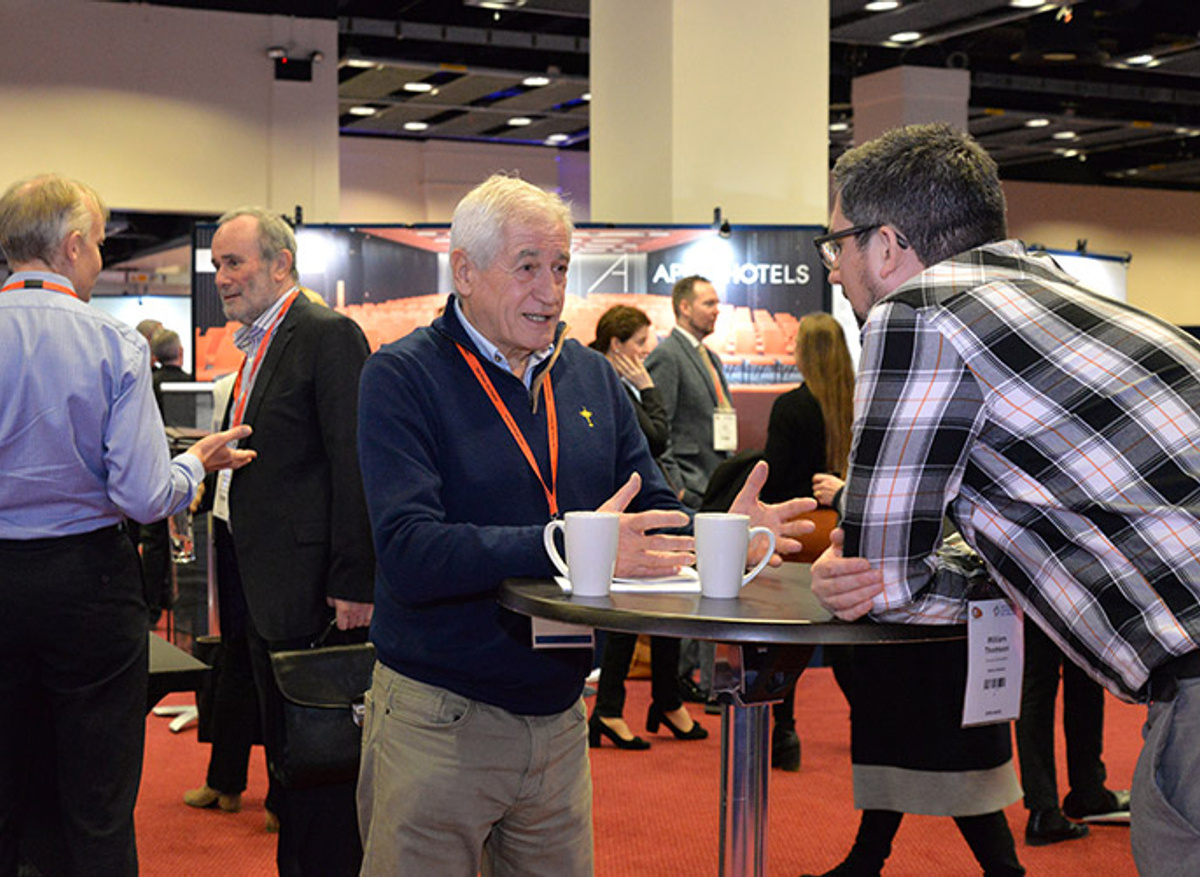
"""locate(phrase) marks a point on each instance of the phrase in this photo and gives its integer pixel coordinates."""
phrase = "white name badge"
(724, 429)
(220, 507)
(549, 634)
(995, 663)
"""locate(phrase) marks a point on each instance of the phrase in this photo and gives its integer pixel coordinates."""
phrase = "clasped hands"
(642, 554)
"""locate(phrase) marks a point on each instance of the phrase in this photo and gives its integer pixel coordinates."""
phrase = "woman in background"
(808, 434)
(623, 336)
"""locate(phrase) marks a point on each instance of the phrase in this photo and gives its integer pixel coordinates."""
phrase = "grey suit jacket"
(689, 397)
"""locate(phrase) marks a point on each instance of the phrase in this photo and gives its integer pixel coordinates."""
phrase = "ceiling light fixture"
(587, 95)
(1064, 135)
(1025, 4)
(418, 87)
(839, 126)
(557, 138)
(359, 63)
(1037, 123)
(905, 36)
(415, 126)
(520, 121)
(535, 81)
(362, 111)
(1140, 60)
(882, 5)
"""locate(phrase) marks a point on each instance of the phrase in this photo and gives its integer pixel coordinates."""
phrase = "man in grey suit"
(703, 426)
(694, 392)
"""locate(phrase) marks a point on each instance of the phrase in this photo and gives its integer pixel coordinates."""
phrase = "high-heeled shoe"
(656, 716)
(597, 729)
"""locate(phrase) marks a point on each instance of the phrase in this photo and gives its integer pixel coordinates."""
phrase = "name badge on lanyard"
(725, 431)
(995, 662)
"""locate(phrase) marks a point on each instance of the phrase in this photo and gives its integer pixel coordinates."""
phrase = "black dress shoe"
(1051, 827)
(597, 729)
(785, 749)
(1109, 806)
(656, 716)
(690, 691)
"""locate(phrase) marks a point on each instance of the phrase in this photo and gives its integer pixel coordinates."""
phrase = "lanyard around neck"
(239, 398)
(41, 284)
(551, 491)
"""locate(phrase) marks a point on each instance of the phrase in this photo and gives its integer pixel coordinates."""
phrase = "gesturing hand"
(641, 554)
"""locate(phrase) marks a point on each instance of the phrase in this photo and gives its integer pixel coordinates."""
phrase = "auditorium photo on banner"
(392, 279)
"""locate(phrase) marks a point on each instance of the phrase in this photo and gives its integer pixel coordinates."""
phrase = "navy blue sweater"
(455, 508)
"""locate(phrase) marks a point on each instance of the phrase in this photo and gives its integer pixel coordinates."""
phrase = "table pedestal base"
(747, 679)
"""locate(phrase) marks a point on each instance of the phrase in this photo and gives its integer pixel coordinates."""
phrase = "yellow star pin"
(587, 415)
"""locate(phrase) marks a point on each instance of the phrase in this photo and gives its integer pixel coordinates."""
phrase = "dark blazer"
(689, 397)
(795, 445)
(299, 519)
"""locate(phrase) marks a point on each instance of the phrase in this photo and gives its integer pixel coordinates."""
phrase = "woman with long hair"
(623, 336)
(808, 434)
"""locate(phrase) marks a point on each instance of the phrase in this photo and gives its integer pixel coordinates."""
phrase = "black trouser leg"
(992, 843)
(614, 667)
(1035, 728)
(664, 676)
(1083, 728)
(235, 720)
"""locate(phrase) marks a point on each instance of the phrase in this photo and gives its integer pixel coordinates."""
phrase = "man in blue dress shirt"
(82, 447)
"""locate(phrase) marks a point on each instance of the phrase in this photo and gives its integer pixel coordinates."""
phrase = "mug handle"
(766, 558)
(551, 548)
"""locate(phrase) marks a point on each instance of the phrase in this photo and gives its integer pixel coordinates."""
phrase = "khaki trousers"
(455, 787)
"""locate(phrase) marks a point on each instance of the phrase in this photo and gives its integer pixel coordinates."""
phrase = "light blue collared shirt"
(82, 444)
(247, 338)
(492, 352)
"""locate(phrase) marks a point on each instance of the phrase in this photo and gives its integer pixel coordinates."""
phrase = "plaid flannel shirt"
(1060, 430)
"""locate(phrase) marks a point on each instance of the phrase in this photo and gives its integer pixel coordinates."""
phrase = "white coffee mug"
(591, 539)
(722, 540)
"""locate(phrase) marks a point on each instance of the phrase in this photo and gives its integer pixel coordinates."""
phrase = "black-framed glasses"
(830, 245)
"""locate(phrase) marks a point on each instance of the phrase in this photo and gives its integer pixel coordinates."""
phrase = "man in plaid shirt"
(1058, 429)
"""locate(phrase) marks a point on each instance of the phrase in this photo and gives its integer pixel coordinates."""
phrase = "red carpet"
(656, 811)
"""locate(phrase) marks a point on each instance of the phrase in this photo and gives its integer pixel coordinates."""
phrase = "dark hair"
(685, 290)
(825, 364)
(620, 322)
(932, 183)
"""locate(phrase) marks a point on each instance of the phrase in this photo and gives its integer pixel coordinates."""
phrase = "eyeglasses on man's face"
(830, 245)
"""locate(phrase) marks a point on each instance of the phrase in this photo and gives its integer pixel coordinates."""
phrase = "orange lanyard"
(239, 400)
(41, 284)
(518, 436)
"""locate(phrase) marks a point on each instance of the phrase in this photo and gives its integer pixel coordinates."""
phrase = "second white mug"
(722, 540)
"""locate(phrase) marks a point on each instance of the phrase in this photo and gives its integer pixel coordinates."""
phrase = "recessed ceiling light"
(839, 126)
(557, 138)
(415, 126)
(362, 111)
(1037, 123)
(1064, 135)
(359, 63)
(1067, 153)
(536, 81)
(1025, 4)
(1139, 60)
(419, 87)
(882, 5)
(905, 36)
(587, 95)
(520, 121)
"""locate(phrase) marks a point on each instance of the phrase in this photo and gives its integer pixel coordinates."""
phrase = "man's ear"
(70, 248)
(896, 258)
(281, 268)
(461, 271)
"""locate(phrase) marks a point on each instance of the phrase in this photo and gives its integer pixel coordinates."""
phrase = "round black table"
(764, 638)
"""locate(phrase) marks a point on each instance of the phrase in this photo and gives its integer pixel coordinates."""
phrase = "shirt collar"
(247, 337)
(492, 353)
(692, 339)
(44, 276)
